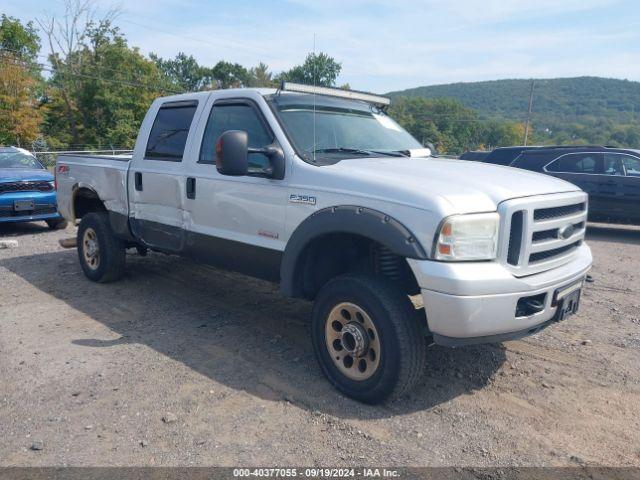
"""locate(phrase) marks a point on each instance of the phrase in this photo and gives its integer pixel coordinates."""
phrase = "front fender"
(356, 220)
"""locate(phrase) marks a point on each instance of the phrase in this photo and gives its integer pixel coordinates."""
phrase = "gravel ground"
(181, 364)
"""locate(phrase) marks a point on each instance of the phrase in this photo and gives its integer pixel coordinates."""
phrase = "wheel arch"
(356, 221)
(85, 199)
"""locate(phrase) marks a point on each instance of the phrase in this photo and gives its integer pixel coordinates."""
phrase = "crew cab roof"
(284, 97)
(241, 92)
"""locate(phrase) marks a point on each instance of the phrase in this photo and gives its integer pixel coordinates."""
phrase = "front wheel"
(366, 338)
(101, 254)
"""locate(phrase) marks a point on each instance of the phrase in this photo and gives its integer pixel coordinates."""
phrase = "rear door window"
(170, 130)
(631, 166)
(621, 164)
(613, 164)
(576, 163)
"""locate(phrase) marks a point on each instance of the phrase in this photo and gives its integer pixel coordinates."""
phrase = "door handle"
(138, 181)
(191, 188)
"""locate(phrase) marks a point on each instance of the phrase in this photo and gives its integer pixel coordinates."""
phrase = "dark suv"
(505, 155)
(611, 177)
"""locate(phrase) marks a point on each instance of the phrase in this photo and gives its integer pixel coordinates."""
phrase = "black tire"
(110, 262)
(401, 341)
(57, 224)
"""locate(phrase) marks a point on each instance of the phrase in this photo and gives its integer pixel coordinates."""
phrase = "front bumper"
(45, 207)
(468, 303)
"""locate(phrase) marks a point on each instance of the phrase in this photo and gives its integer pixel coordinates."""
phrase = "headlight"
(468, 237)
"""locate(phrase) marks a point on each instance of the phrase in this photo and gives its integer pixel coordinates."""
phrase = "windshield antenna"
(315, 72)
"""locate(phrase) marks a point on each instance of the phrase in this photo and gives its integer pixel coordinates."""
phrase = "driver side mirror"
(232, 150)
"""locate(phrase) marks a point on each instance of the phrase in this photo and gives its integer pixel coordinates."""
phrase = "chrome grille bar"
(542, 232)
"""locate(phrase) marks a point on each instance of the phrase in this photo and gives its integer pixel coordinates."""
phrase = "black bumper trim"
(499, 338)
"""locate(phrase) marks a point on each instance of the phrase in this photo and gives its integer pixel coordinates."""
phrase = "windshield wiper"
(391, 153)
(359, 151)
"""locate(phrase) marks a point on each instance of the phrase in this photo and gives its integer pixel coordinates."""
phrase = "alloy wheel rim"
(352, 341)
(91, 248)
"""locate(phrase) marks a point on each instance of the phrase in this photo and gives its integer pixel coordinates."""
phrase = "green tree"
(502, 134)
(230, 75)
(65, 37)
(261, 77)
(21, 41)
(20, 82)
(446, 123)
(184, 72)
(317, 69)
(452, 127)
(109, 87)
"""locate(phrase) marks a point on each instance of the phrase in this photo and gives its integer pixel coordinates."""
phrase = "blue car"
(27, 189)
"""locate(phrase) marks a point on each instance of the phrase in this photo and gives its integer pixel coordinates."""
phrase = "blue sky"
(388, 45)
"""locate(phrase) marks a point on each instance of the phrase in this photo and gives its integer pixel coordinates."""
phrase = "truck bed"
(106, 175)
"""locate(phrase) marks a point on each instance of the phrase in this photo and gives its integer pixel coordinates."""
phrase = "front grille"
(25, 187)
(555, 212)
(542, 256)
(38, 210)
(543, 235)
(542, 231)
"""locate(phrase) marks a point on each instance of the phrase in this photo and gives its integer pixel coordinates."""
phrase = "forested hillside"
(565, 110)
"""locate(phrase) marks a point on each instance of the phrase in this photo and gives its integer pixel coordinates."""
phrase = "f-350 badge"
(306, 199)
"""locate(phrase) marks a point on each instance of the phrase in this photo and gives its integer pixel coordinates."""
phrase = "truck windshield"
(336, 129)
(18, 160)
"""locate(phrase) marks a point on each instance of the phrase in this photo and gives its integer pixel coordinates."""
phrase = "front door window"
(236, 117)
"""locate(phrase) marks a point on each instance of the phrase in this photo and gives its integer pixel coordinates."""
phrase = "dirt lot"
(180, 364)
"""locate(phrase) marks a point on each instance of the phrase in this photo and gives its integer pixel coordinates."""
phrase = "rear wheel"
(101, 254)
(366, 338)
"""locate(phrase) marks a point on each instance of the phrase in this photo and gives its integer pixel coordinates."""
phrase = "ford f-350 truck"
(321, 191)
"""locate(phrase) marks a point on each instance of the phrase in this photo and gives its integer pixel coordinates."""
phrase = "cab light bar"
(336, 92)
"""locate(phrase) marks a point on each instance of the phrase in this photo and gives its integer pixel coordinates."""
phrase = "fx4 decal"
(307, 199)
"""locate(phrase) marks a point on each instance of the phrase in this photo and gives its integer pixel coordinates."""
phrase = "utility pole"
(526, 127)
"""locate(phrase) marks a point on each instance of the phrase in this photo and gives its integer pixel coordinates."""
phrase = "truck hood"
(455, 186)
(24, 175)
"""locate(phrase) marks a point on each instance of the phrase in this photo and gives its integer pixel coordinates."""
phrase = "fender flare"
(356, 220)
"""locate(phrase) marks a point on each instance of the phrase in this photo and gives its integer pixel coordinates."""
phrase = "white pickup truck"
(321, 191)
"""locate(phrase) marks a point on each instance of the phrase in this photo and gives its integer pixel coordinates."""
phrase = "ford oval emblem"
(565, 232)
